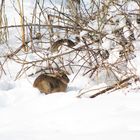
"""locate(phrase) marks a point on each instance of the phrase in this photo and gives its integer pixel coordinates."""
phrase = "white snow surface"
(26, 114)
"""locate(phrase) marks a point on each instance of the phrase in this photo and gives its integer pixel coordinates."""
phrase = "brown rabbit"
(51, 82)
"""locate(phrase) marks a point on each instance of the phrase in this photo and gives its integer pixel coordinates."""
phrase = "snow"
(26, 114)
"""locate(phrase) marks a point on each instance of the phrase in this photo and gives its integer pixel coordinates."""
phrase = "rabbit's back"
(49, 84)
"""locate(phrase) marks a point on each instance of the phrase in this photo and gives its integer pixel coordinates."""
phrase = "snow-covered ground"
(25, 114)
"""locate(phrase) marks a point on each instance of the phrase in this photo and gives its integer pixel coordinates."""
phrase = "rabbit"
(51, 82)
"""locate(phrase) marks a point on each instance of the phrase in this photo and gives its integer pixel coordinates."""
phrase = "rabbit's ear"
(51, 75)
(62, 72)
(59, 74)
